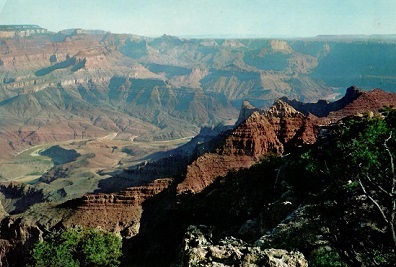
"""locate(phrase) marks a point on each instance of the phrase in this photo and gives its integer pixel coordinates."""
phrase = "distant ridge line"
(13, 27)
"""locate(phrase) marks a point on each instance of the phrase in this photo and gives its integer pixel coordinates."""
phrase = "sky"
(258, 18)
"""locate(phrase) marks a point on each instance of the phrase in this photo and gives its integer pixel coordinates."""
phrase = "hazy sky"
(287, 18)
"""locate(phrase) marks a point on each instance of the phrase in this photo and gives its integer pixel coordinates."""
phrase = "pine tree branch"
(374, 201)
(392, 211)
(377, 185)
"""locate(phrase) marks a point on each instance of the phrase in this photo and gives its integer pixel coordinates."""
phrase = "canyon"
(137, 212)
(79, 84)
(137, 135)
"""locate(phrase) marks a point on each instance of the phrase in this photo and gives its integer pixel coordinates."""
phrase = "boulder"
(199, 249)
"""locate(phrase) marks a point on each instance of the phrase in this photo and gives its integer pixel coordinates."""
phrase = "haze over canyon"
(137, 135)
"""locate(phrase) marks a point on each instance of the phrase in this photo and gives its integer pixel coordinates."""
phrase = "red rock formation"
(119, 212)
(355, 101)
(263, 132)
(203, 171)
(246, 110)
(367, 101)
(254, 137)
(323, 107)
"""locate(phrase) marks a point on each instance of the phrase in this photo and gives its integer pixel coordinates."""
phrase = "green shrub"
(324, 257)
(78, 247)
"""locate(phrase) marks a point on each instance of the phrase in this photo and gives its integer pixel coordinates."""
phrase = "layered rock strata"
(354, 102)
(119, 212)
(288, 123)
(261, 133)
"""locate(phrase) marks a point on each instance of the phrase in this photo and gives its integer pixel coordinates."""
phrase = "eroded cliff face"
(287, 124)
(261, 133)
(119, 212)
(366, 102)
(354, 102)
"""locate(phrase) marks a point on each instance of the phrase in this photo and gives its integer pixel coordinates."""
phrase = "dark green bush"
(78, 247)
(324, 257)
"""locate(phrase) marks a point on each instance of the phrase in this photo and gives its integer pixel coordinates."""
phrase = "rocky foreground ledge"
(198, 249)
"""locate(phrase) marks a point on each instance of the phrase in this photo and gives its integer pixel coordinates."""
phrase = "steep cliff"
(354, 102)
(119, 212)
(261, 133)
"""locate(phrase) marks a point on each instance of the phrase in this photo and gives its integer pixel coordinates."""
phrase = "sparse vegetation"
(350, 185)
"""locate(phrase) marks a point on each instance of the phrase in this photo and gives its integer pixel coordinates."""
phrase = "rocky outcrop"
(203, 171)
(262, 133)
(198, 249)
(354, 102)
(322, 108)
(247, 109)
(290, 123)
(367, 101)
(287, 124)
(119, 212)
(18, 237)
(253, 138)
